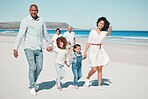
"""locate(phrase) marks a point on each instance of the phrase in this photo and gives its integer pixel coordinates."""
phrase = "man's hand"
(15, 53)
(49, 48)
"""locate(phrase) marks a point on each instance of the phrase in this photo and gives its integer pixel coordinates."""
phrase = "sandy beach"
(124, 78)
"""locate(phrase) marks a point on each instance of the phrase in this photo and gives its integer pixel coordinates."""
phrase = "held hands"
(84, 56)
(15, 53)
(49, 48)
(69, 43)
(66, 63)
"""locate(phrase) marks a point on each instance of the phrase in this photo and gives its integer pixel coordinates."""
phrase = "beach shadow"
(65, 85)
(81, 83)
(46, 85)
(105, 82)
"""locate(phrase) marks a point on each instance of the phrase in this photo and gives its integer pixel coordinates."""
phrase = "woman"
(97, 55)
(55, 36)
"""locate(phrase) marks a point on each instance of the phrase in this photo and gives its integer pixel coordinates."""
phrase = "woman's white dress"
(97, 56)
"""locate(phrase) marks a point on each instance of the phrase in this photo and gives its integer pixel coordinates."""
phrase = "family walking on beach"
(33, 31)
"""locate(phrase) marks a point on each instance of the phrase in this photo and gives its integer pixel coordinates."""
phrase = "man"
(71, 40)
(33, 30)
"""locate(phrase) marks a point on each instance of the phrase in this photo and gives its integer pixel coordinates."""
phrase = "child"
(60, 60)
(76, 61)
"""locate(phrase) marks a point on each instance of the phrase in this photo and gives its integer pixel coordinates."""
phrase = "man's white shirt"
(33, 32)
(69, 37)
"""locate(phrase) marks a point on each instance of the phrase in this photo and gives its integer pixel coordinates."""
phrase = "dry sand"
(124, 78)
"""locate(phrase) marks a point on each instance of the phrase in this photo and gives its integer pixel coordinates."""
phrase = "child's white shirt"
(60, 55)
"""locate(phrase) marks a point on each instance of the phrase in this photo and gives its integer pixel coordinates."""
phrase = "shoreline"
(143, 42)
(82, 29)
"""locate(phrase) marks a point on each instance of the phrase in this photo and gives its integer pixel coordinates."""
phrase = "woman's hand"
(109, 31)
(84, 56)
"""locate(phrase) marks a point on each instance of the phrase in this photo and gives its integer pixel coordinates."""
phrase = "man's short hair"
(33, 5)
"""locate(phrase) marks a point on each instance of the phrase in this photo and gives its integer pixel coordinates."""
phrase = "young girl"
(76, 61)
(60, 60)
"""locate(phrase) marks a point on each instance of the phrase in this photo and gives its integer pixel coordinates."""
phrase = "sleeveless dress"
(97, 56)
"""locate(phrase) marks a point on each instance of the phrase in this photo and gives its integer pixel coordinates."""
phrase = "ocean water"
(115, 36)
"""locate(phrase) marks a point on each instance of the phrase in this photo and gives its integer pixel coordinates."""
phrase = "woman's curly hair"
(106, 23)
(63, 40)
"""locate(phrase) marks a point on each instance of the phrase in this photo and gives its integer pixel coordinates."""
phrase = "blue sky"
(122, 14)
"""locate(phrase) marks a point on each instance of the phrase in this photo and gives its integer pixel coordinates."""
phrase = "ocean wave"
(8, 31)
(128, 37)
(146, 38)
(82, 36)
